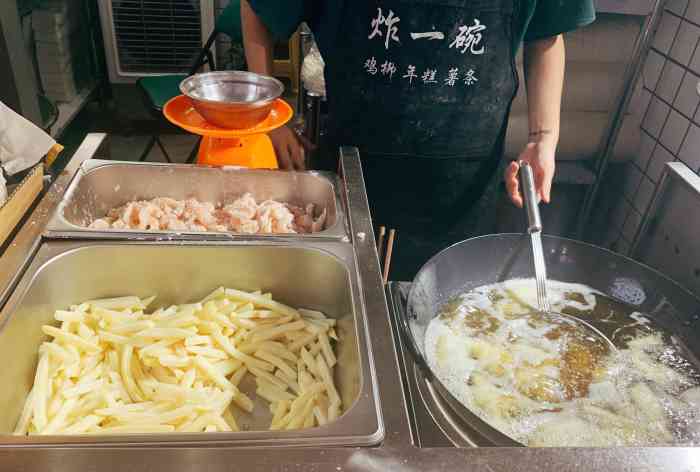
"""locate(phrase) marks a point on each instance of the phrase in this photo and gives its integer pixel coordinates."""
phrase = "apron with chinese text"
(424, 88)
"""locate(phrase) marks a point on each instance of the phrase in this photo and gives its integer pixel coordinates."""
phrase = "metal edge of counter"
(25, 243)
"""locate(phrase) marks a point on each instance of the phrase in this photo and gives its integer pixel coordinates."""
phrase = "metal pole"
(304, 36)
(313, 119)
(617, 116)
(312, 129)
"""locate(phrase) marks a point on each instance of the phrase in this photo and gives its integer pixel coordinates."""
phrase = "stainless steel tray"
(101, 185)
(317, 275)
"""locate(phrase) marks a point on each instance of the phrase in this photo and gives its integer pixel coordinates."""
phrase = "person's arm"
(258, 46)
(257, 41)
(544, 61)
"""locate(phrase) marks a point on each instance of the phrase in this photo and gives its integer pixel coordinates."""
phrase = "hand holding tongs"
(527, 185)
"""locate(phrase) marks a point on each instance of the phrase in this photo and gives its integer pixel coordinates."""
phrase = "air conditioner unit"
(153, 37)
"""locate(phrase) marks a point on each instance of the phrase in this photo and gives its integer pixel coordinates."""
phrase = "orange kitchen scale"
(247, 147)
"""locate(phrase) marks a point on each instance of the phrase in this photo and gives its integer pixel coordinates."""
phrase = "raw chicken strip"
(244, 215)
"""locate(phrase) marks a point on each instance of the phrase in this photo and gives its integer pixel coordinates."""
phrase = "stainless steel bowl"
(232, 99)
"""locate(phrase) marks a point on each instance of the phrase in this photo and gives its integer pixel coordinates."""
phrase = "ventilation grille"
(157, 36)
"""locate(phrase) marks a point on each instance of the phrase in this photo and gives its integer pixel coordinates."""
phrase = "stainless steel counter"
(398, 451)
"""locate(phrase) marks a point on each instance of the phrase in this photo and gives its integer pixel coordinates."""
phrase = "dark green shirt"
(537, 18)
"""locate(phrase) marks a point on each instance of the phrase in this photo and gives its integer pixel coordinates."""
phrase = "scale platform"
(249, 147)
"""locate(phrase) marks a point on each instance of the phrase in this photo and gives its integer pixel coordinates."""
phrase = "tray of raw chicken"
(147, 201)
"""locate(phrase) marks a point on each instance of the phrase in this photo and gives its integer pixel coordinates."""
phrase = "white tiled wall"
(671, 124)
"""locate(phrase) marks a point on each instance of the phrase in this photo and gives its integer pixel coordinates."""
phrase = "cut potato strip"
(310, 420)
(25, 416)
(131, 327)
(198, 341)
(230, 420)
(146, 302)
(304, 379)
(157, 347)
(261, 301)
(180, 321)
(302, 341)
(276, 331)
(272, 394)
(83, 425)
(216, 294)
(41, 385)
(237, 376)
(164, 333)
(320, 415)
(82, 387)
(327, 378)
(170, 360)
(249, 361)
(119, 384)
(280, 412)
(207, 352)
(333, 411)
(324, 324)
(278, 349)
(107, 336)
(70, 338)
(188, 378)
(58, 421)
(240, 336)
(119, 303)
(269, 378)
(242, 400)
(111, 316)
(212, 373)
(69, 316)
(111, 368)
(224, 321)
(221, 424)
(311, 314)
(57, 352)
(289, 381)
(127, 377)
(276, 361)
(309, 361)
(198, 425)
(228, 366)
(327, 350)
(300, 408)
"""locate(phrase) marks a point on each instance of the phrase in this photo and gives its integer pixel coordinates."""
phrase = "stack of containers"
(62, 48)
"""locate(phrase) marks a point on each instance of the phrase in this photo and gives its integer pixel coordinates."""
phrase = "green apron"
(423, 88)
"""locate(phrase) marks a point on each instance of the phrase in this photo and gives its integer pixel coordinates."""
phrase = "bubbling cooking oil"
(551, 381)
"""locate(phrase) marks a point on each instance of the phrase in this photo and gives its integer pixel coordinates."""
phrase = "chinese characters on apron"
(424, 88)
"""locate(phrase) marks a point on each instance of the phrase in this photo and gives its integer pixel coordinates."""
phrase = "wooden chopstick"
(380, 242)
(387, 258)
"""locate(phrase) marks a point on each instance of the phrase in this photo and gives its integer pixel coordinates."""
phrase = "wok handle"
(527, 183)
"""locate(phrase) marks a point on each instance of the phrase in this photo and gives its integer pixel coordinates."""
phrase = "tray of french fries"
(154, 201)
(144, 342)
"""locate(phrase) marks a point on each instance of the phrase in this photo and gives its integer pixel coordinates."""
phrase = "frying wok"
(496, 258)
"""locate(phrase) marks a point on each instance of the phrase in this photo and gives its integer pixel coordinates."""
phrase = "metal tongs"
(527, 182)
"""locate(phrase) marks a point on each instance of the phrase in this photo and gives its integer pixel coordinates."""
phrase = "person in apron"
(424, 88)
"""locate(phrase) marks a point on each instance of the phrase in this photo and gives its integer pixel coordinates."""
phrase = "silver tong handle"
(527, 183)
